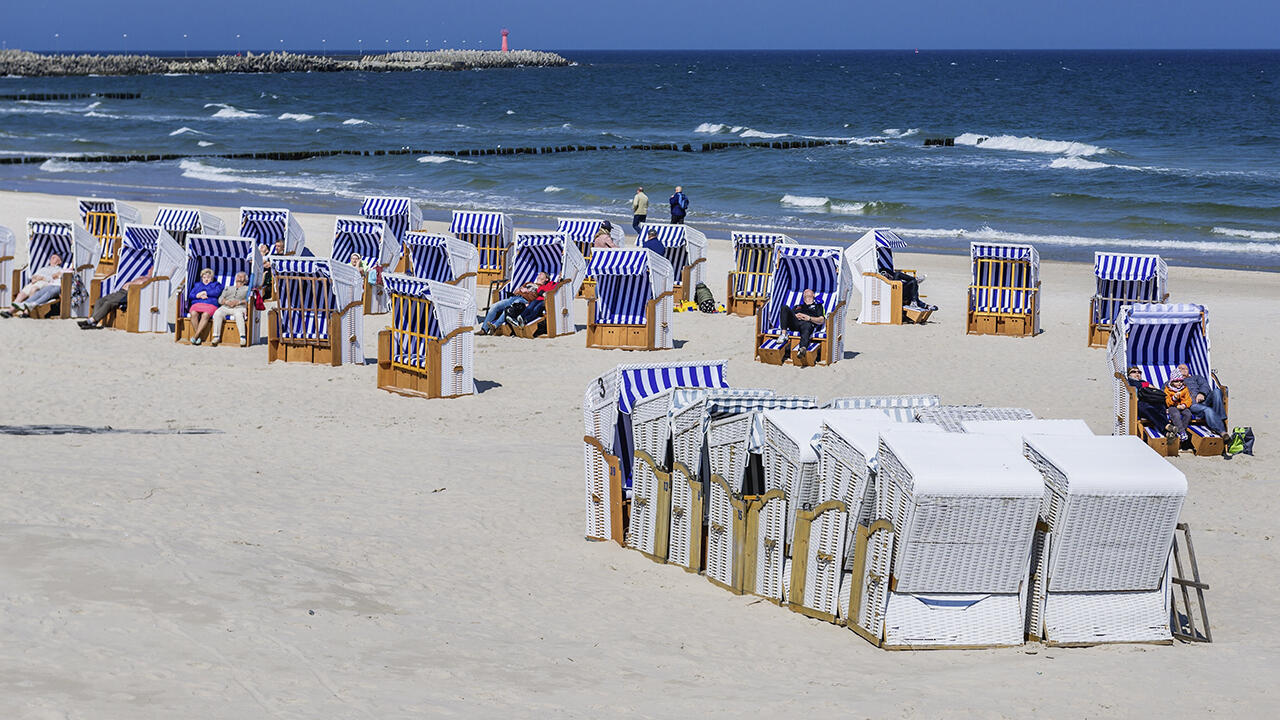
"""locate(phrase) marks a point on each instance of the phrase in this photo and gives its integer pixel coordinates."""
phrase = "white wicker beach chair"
(799, 267)
(441, 258)
(1156, 338)
(79, 252)
(225, 255)
(181, 222)
(267, 226)
(318, 316)
(105, 219)
(754, 257)
(145, 251)
(901, 408)
(399, 213)
(582, 231)
(1108, 515)
(946, 561)
(881, 297)
(953, 417)
(557, 256)
(429, 348)
(1004, 294)
(1123, 279)
(377, 248)
(609, 446)
(8, 253)
(685, 247)
(490, 234)
(633, 306)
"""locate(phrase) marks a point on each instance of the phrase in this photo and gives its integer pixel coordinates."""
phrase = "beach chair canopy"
(583, 232)
(492, 225)
(1006, 287)
(626, 280)
(552, 253)
(804, 426)
(873, 252)
(146, 250)
(367, 237)
(1123, 279)
(753, 260)
(225, 255)
(178, 222)
(1034, 426)
(682, 244)
(439, 257)
(953, 417)
(862, 434)
(399, 213)
(69, 240)
(449, 306)
(309, 318)
(718, 403)
(901, 408)
(268, 225)
(800, 267)
(103, 218)
(1157, 338)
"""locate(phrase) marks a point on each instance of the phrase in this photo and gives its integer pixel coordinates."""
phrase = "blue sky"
(609, 24)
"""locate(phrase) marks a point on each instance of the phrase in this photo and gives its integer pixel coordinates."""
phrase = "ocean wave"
(1029, 144)
(1075, 162)
(749, 133)
(439, 159)
(511, 112)
(898, 133)
(198, 170)
(300, 117)
(230, 111)
(57, 165)
(717, 129)
(204, 143)
(96, 114)
(1247, 234)
(810, 204)
(184, 130)
(552, 189)
(805, 201)
(356, 121)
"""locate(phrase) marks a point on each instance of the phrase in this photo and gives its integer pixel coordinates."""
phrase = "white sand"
(336, 551)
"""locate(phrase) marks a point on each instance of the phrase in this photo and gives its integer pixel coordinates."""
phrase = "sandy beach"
(330, 550)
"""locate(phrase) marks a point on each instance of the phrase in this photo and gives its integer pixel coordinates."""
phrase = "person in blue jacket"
(679, 206)
(203, 299)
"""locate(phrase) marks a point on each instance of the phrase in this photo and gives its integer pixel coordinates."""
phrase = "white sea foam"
(186, 130)
(57, 165)
(438, 159)
(511, 112)
(300, 117)
(204, 143)
(1247, 234)
(749, 133)
(1029, 144)
(850, 208)
(1074, 162)
(355, 121)
(93, 105)
(552, 189)
(805, 201)
(95, 114)
(231, 112)
(899, 133)
(718, 128)
(810, 204)
(197, 170)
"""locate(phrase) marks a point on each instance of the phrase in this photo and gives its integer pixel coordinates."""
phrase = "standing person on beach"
(639, 209)
(679, 206)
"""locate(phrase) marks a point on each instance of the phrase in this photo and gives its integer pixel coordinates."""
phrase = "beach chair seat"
(1123, 279)
(1004, 292)
(79, 252)
(180, 222)
(798, 267)
(582, 231)
(318, 317)
(753, 262)
(882, 298)
(145, 251)
(557, 256)
(633, 306)
(226, 256)
(8, 252)
(491, 234)
(400, 215)
(685, 247)
(377, 248)
(105, 220)
(267, 226)
(1103, 543)
(428, 349)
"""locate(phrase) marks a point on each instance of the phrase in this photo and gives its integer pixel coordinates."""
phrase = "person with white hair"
(233, 302)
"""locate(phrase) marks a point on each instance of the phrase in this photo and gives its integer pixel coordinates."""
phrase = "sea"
(1169, 152)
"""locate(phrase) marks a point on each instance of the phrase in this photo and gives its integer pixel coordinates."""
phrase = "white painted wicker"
(952, 417)
(824, 564)
(1018, 428)
(771, 555)
(650, 429)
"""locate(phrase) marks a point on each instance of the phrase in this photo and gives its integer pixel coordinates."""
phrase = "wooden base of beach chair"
(58, 309)
(587, 290)
(620, 337)
(530, 330)
(775, 351)
(319, 353)
(1099, 335)
(228, 334)
(743, 306)
(772, 352)
(487, 276)
(425, 383)
(1167, 447)
(1205, 441)
(917, 317)
(990, 324)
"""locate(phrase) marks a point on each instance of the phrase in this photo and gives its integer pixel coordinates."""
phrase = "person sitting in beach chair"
(520, 299)
(1177, 398)
(538, 307)
(805, 318)
(604, 236)
(111, 302)
(203, 297)
(44, 287)
(1206, 400)
(233, 303)
(1150, 400)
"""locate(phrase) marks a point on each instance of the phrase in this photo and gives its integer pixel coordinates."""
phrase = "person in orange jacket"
(1177, 400)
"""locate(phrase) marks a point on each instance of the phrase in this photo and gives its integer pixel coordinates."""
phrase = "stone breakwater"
(29, 64)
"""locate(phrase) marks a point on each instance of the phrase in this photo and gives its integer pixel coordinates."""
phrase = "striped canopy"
(1157, 338)
(583, 232)
(551, 253)
(758, 239)
(366, 237)
(682, 244)
(439, 257)
(626, 280)
(480, 223)
(68, 239)
(145, 250)
(399, 213)
(1129, 268)
(637, 382)
(800, 267)
(225, 255)
(873, 252)
(309, 318)
(1003, 287)
(725, 402)
(124, 212)
(189, 220)
(1123, 279)
(901, 408)
(268, 225)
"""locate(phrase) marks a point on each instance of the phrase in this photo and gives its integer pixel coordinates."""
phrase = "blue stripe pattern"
(408, 318)
(267, 225)
(303, 308)
(1160, 337)
(136, 258)
(44, 238)
(1125, 279)
(623, 287)
(467, 222)
(749, 282)
(640, 383)
(532, 254)
(225, 256)
(399, 213)
(673, 244)
(88, 205)
(1004, 287)
(360, 236)
(801, 267)
(581, 231)
(886, 242)
(428, 256)
(178, 219)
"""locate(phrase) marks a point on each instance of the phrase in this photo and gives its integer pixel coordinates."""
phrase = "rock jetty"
(29, 64)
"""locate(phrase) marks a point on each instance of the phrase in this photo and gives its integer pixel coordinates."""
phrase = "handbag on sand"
(1240, 441)
(258, 304)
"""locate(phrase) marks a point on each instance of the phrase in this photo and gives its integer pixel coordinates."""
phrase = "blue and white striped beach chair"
(225, 255)
(800, 267)
(399, 213)
(900, 408)
(180, 222)
(582, 231)
(79, 252)
(753, 262)
(441, 258)
(271, 225)
(146, 251)
(428, 349)
(377, 249)
(8, 252)
(633, 305)
(319, 315)
(490, 233)
(557, 256)
(882, 299)
(609, 444)
(1123, 279)
(104, 219)
(685, 247)
(1004, 295)
(1156, 339)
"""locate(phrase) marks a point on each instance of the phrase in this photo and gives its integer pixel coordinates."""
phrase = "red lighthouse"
(504, 40)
